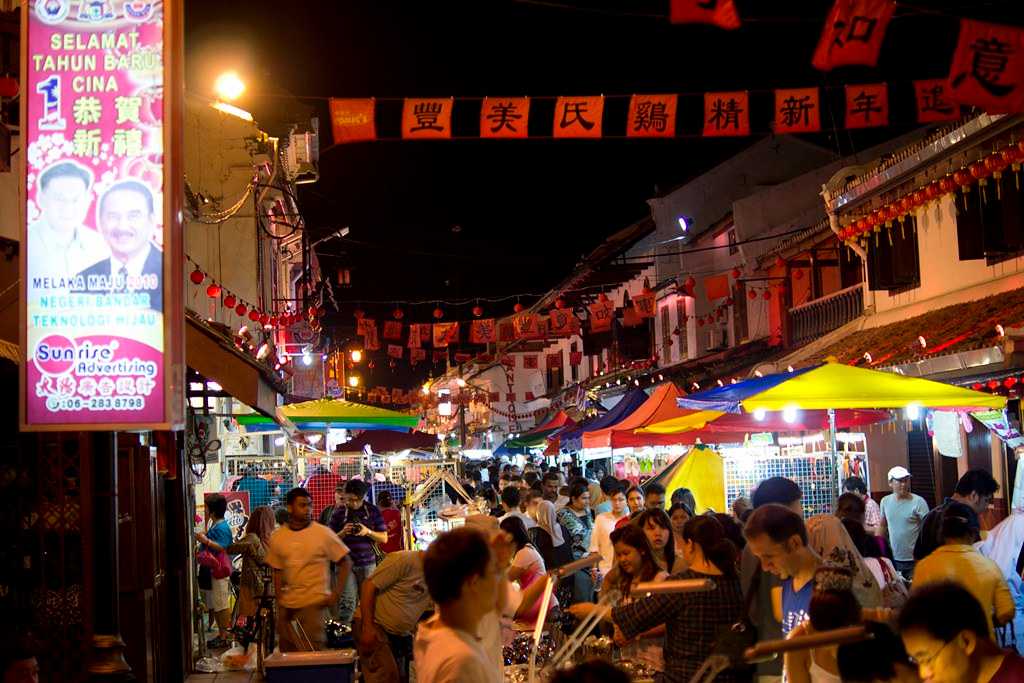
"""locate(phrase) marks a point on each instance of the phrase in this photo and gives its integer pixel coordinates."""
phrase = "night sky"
(526, 211)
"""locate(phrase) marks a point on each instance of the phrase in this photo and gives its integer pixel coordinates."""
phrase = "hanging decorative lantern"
(767, 295)
(700, 321)
(240, 309)
(933, 191)
(1013, 156)
(993, 384)
(1010, 382)
(230, 301)
(213, 290)
(518, 308)
(948, 183)
(264, 319)
(478, 311)
(273, 321)
(736, 273)
(438, 313)
(980, 172)
(8, 87)
(398, 314)
(977, 386)
(751, 295)
(995, 164)
(197, 276)
(780, 262)
(918, 198)
(906, 205)
(254, 315)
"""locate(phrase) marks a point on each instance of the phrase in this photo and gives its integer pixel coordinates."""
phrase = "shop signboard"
(101, 258)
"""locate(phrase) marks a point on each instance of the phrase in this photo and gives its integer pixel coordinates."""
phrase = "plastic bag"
(239, 659)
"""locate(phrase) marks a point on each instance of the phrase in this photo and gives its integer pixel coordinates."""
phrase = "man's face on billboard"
(64, 203)
(126, 223)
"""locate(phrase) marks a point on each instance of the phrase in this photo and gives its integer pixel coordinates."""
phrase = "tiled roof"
(952, 329)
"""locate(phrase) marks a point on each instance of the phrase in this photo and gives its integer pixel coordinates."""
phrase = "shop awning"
(215, 358)
(339, 414)
(660, 406)
(838, 386)
(572, 439)
(702, 471)
(712, 424)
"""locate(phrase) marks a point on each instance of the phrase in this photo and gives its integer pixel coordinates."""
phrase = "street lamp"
(353, 381)
(356, 355)
(229, 86)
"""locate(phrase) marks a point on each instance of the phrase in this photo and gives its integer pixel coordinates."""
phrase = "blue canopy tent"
(572, 439)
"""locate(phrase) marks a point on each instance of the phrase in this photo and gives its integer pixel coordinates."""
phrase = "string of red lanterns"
(993, 165)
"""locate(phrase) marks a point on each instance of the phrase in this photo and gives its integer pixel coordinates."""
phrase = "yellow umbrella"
(702, 471)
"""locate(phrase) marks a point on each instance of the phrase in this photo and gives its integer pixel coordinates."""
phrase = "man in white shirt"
(127, 220)
(604, 525)
(511, 497)
(59, 245)
(463, 578)
(300, 553)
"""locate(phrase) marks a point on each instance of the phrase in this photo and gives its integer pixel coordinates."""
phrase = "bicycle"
(261, 628)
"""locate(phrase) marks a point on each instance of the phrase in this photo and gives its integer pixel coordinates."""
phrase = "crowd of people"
(935, 606)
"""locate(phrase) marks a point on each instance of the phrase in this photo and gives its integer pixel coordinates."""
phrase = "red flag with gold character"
(853, 33)
(392, 329)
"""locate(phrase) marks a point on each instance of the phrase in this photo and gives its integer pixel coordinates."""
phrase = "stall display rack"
(815, 473)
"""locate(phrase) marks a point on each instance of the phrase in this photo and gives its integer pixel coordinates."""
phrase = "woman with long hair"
(693, 621)
(634, 563)
(679, 514)
(253, 549)
(657, 525)
(526, 569)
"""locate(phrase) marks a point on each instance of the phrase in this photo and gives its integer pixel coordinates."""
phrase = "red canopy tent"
(661, 405)
(381, 441)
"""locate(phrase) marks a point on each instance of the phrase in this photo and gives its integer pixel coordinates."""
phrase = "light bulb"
(789, 414)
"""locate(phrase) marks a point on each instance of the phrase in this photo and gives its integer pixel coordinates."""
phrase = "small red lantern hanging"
(767, 295)
(240, 309)
(254, 315)
(933, 191)
(230, 301)
(751, 295)
(321, 312)
(977, 386)
(478, 311)
(996, 165)
(736, 273)
(273, 321)
(700, 322)
(918, 198)
(1010, 382)
(947, 183)
(780, 262)
(993, 384)
(438, 313)
(8, 87)
(398, 314)
(518, 308)
(197, 276)
(213, 290)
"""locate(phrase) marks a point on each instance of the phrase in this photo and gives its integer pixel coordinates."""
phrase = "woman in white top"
(601, 536)
(526, 569)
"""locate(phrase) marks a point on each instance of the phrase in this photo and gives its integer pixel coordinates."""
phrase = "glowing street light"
(229, 86)
(353, 381)
(356, 355)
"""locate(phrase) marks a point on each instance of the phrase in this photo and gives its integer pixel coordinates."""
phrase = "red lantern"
(321, 312)
(979, 170)
(767, 295)
(933, 190)
(213, 291)
(947, 183)
(751, 295)
(518, 308)
(8, 86)
(559, 304)
(1010, 382)
(240, 309)
(358, 313)
(780, 262)
(905, 205)
(438, 313)
(197, 276)
(478, 311)
(230, 301)
(963, 177)
(977, 386)
(736, 273)
(273, 321)
(860, 226)
(398, 314)
(995, 164)
(918, 198)
(254, 315)
(993, 384)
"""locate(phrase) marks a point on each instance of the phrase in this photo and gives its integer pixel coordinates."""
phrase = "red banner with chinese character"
(530, 361)
(526, 324)
(363, 325)
(644, 305)
(352, 120)
(726, 114)
(419, 334)
(483, 331)
(371, 340)
(853, 33)
(395, 350)
(867, 105)
(720, 13)
(505, 117)
(797, 110)
(988, 67)
(601, 315)
(652, 116)
(445, 334)
(392, 330)
(416, 355)
(562, 323)
(933, 103)
(427, 118)
(578, 117)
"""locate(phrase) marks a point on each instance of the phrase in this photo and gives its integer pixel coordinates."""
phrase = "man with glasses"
(976, 489)
(946, 634)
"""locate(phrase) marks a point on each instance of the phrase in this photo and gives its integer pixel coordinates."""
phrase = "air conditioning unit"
(302, 157)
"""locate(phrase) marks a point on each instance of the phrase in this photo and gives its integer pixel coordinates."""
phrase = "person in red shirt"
(946, 633)
(392, 522)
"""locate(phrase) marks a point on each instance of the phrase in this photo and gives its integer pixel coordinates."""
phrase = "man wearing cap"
(902, 516)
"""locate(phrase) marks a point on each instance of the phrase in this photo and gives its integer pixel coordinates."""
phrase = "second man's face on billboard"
(125, 222)
(64, 203)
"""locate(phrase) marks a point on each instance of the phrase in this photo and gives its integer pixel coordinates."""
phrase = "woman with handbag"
(253, 549)
(215, 542)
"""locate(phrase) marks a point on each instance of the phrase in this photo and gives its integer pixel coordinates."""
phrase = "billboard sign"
(101, 238)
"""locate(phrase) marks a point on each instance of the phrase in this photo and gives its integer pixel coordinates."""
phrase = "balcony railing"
(809, 321)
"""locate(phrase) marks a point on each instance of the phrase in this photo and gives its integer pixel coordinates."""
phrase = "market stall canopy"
(538, 436)
(712, 423)
(838, 386)
(572, 439)
(660, 406)
(703, 472)
(338, 414)
(388, 442)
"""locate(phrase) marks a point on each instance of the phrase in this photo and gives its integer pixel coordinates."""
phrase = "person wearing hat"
(903, 513)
